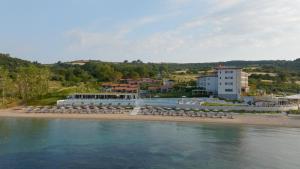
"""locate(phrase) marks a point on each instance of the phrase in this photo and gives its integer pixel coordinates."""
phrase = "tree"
(33, 82)
(4, 81)
(283, 76)
(7, 87)
(134, 75)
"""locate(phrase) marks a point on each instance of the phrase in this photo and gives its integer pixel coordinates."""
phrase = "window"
(220, 83)
(229, 83)
(228, 90)
(228, 77)
(229, 71)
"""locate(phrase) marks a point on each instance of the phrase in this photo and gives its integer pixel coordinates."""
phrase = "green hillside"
(34, 83)
(6, 60)
(291, 66)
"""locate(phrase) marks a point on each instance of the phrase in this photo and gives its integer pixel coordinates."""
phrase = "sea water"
(72, 144)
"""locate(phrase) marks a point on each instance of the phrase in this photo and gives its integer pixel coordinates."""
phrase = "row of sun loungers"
(158, 111)
(80, 110)
(148, 110)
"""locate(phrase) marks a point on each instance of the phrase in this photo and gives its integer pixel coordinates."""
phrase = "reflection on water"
(28, 143)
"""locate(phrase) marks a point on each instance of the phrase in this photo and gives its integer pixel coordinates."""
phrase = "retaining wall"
(165, 103)
(244, 108)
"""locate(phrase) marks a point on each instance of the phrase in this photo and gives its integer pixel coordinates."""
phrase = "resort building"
(120, 88)
(225, 82)
(142, 86)
(167, 85)
(123, 99)
(208, 84)
(140, 81)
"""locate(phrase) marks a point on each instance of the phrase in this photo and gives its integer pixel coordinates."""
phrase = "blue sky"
(151, 30)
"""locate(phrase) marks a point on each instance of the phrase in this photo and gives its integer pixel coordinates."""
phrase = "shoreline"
(240, 119)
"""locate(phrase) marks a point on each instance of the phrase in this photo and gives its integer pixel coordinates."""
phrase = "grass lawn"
(184, 78)
(58, 92)
(53, 96)
(45, 101)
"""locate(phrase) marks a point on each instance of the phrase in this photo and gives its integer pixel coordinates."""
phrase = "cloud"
(178, 3)
(228, 29)
(227, 3)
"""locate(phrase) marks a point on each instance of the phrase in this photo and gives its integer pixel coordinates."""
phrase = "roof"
(106, 93)
(115, 85)
(228, 67)
(125, 88)
(212, 75)
(297, 96)
(153, 87)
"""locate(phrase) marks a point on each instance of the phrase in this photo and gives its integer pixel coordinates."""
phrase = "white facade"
(228, 83)
(209, 84)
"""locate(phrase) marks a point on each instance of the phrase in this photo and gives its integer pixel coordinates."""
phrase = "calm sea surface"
(54, 144)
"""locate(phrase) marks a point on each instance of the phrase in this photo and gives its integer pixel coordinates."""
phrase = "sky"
(181, 31)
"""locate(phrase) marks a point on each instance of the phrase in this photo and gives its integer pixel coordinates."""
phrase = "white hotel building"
(226, 82)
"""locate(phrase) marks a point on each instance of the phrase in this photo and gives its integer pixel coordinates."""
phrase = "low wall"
(78, 102)
(244, 108)
(140, 102)
(168, 103)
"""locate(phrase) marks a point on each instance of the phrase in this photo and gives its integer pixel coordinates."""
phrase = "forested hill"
(11, 63)
(6, 59)
(266, 65)
(291, 66)
(30, 81)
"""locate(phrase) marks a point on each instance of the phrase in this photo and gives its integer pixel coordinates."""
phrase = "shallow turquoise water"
(53, 144)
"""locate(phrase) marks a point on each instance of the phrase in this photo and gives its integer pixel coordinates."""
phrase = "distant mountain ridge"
(293, 66)
(7, 60)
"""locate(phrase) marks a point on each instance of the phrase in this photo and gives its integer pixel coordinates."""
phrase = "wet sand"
(246, 119)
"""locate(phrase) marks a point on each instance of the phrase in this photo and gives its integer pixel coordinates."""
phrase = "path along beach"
(241, 119)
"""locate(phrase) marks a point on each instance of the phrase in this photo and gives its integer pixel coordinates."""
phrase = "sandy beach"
(241, 119)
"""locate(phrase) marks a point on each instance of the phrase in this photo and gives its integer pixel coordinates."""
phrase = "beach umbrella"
(210, 114)
(230, 115)
(177, 109)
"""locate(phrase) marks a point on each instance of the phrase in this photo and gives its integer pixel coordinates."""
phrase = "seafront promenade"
(182, 103)
(154, 114)
(129, 110)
